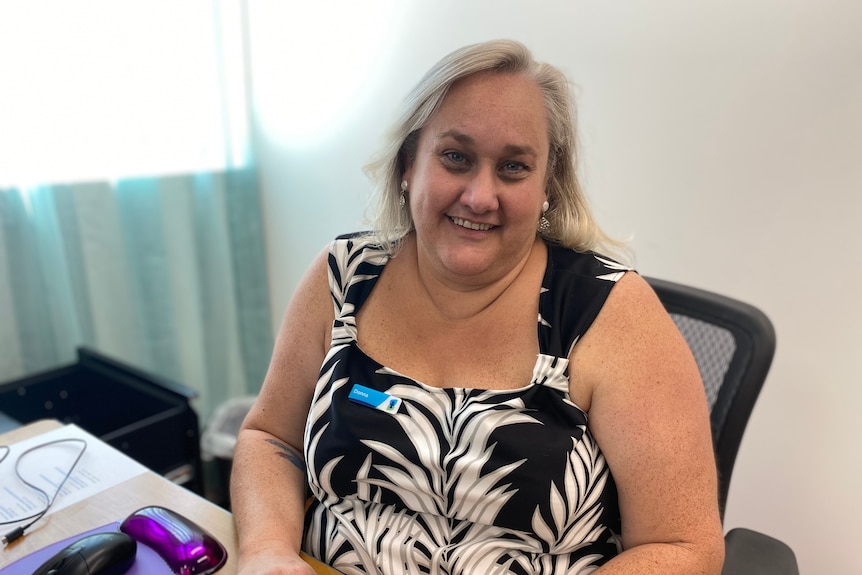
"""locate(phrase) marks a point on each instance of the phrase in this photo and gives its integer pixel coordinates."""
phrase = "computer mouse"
(185, 546)
(99, 554)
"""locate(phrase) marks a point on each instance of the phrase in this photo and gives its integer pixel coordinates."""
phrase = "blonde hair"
(571, 222)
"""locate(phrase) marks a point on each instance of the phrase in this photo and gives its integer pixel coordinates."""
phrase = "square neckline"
(380, 367)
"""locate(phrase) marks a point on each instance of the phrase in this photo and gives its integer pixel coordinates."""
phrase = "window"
(107, 89)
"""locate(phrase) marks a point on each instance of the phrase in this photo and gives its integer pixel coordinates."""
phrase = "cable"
(49, 500)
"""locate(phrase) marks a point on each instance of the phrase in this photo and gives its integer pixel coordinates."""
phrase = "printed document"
(41, 462)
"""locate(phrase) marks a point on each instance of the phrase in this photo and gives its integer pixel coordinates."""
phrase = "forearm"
(666, 559)
(267, 494)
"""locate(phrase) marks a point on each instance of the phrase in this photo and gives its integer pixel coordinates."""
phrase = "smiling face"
(477, 181)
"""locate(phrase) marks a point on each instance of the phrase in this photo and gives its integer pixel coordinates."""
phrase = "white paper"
(100, 467)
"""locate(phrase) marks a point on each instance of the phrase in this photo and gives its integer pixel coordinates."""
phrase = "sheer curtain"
(130, 217)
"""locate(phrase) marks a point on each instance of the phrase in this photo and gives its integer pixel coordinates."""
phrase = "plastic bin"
(217, 445)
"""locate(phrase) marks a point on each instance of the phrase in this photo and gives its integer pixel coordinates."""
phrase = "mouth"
(471, 225)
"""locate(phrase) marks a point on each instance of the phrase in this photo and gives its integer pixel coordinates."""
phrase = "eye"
(514, 169)
(455, 161)
(455, 157)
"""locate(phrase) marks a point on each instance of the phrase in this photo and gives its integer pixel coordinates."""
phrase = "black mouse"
(99, 554)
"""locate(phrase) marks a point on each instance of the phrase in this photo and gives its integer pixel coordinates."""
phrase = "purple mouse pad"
(147, 561)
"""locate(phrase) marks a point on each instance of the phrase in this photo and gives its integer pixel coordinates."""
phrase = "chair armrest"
(748, 552)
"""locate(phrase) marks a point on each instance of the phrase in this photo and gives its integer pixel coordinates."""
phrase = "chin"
(468, 265)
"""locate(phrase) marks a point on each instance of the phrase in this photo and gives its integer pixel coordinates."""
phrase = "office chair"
(733, 344)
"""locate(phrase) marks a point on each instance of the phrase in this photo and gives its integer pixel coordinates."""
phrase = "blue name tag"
(374, 398)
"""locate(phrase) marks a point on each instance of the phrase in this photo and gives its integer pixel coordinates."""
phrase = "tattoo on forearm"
(289, 454)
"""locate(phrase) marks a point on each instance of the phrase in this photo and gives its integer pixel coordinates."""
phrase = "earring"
(544, 226)
(401, 199)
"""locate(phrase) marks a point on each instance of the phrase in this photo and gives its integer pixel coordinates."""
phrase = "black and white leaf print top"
(459, 481)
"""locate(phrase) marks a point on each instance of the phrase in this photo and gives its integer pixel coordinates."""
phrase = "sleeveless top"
(450, 480)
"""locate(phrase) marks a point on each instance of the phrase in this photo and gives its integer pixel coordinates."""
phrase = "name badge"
(373, 398)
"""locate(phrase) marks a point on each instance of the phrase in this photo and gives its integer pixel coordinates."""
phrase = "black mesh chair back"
(733, 344)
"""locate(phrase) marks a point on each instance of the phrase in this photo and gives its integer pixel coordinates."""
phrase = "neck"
(455, 299)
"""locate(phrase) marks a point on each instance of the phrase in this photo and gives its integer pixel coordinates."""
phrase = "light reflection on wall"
(309, 74)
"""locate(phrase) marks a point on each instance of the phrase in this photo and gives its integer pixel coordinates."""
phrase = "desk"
(116, 503)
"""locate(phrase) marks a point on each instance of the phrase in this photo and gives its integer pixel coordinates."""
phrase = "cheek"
(428, 211)
(526, 208)
(422, 203)
(434, 190)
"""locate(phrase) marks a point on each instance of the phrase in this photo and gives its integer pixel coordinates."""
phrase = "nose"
(480, 192)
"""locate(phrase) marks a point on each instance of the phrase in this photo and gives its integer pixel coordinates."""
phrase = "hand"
(274, 563)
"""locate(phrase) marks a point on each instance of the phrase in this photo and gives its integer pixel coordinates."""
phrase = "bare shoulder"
(632, 304)
(648, 413)
(299, 351)
(312, 301)
(630, 337)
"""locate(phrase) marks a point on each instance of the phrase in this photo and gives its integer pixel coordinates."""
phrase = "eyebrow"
(509, 149)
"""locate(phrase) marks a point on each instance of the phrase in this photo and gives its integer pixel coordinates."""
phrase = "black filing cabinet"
(148, 418)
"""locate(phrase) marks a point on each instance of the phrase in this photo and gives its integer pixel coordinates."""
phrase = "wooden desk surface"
(118, 502)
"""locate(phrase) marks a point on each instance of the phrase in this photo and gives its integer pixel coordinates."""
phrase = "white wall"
(723, 135)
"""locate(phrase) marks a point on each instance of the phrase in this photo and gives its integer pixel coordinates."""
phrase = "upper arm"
(300, 348)
(648, 413)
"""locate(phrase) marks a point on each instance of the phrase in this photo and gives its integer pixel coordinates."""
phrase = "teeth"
(471, 225)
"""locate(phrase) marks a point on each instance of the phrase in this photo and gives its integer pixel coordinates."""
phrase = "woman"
(440, 426)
